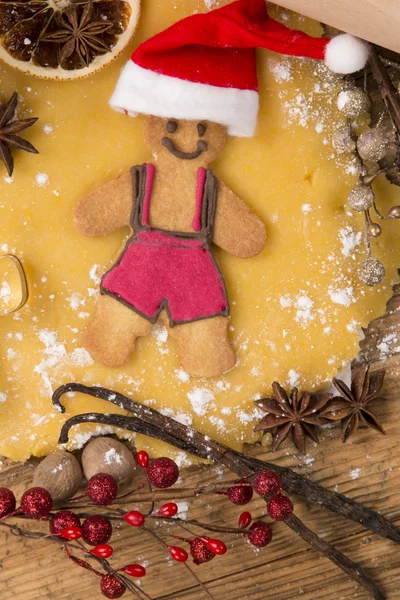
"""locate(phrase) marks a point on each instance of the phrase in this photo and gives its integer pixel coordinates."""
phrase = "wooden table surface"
(366, 469)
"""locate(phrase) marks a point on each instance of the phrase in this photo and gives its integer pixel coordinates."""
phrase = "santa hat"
(204, 66)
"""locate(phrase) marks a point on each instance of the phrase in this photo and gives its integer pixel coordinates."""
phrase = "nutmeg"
(106, 455)
(60, 474)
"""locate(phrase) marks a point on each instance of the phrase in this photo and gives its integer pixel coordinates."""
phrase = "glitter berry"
(102, 489)
(7, 502)
(96, 530)
(267, 483)
(260, 535)
(111, 587)
(36, 503)
(280, 508)
(240, 494)
(200, 552)
(163, 472)
(64, 519)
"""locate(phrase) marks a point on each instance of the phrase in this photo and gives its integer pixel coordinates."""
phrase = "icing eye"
(201, 129)
(172, 126)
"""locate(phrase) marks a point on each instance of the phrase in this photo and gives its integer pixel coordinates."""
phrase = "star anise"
(79, 34)
(8, 128)
(351, 407)
(296, 415)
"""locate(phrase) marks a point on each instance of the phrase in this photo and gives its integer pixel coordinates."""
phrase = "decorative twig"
(163, 495)
(150, 422)
(208, 527)
(155, 536)
(387, 90)
(17, 531)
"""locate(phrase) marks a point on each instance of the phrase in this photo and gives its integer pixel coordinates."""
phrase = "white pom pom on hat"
(346, 54)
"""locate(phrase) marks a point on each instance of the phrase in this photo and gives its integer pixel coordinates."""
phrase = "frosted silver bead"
(371, 271)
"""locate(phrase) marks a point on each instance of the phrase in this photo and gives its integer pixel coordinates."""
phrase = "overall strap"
(142, 183)
(209, 205)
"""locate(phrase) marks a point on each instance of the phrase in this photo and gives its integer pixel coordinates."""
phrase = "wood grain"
(366, 469)
(377, 21)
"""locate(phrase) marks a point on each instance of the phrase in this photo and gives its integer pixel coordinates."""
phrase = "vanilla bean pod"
(340, 560)
(150, 422)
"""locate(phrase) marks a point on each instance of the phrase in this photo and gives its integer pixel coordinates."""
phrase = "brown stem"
(130, 585)
(215, 528)
(150, 422)
(340, 560)
(200, 583)
(152, 533)
(387, 90)
(160, 495)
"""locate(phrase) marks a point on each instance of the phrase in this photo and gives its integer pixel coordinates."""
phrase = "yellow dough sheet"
(296, 309)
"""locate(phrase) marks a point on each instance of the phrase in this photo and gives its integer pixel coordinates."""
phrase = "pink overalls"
(168, 270)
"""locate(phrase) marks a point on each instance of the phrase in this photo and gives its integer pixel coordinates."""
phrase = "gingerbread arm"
(106, 208)
(237, 228)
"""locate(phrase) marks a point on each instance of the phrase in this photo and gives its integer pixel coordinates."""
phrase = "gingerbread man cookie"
(176, 208)
(197, 82)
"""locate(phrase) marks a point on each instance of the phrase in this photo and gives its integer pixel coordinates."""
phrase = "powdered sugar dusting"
(280, 69)
(304, 306)
(56, 355)
(343, 296)
(350, 239)
(111, 457)
(200, 399)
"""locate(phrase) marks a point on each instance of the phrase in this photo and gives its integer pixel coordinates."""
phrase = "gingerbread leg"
(111, 336)
(204, 347)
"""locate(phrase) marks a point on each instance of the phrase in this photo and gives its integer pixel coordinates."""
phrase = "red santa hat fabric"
(204, 66)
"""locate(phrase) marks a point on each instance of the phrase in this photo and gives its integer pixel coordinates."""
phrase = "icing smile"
(202, 146)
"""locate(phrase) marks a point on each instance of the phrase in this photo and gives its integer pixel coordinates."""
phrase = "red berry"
(280, 508)
(267, 483)
(111, 587)
(7, 502)
(200, 551)
(240, 494)
(178, 554)
(163, 472)
(168, 510)
(244, 520)
(134, 570)
(142, 459)
(102, 551)
(36, 503)
(134, 518)
(71, 533)
(214, 545)
(260, 535)
(64, 519)
(96, 530)
(102, 489)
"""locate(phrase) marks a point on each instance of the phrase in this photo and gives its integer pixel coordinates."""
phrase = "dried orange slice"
(65, 39)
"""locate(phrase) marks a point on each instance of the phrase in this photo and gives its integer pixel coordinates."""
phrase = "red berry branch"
(150, 422)
(91, 533)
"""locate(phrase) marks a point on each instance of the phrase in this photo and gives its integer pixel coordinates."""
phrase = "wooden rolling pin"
(377, 21)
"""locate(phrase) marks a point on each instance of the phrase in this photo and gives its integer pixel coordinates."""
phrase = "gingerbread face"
(174, 140)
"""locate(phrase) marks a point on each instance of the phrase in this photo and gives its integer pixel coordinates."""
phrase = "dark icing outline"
(202, 146)
(209, 205)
